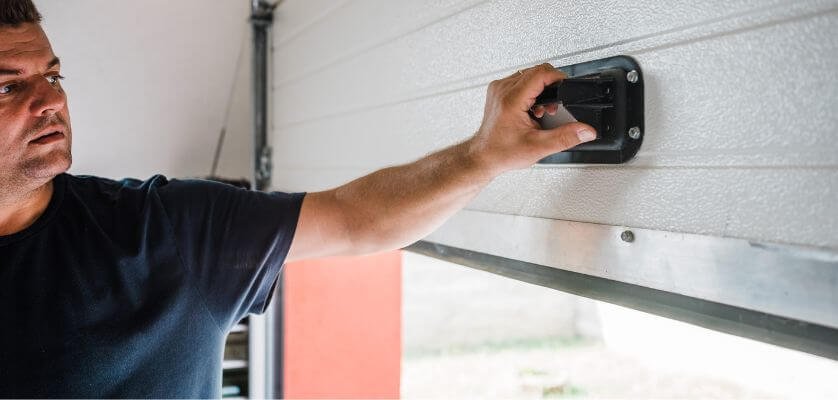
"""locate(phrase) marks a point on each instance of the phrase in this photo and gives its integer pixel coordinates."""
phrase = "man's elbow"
(372, 237)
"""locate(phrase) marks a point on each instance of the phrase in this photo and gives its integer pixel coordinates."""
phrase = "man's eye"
(6, 89)
(53, 79)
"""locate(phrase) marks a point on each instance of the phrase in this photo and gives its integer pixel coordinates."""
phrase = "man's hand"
(508, 138)
(396, 206)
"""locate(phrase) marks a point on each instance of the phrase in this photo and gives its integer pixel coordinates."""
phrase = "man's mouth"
(48, 137)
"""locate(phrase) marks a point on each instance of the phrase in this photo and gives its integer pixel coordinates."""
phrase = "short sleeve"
(233, 241)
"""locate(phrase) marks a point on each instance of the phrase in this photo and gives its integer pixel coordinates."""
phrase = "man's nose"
(47, 99)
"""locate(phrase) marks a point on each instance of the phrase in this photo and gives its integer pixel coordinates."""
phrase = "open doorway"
(469, 333)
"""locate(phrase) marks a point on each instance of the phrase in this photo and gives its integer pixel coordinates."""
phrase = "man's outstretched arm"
(397, 206)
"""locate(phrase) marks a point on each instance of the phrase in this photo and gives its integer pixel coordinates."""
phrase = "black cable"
(222, 135)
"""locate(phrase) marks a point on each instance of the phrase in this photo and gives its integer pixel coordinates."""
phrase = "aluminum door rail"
(779, 294)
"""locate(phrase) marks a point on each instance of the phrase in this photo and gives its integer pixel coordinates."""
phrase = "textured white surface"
(740, 97)
(148, 83)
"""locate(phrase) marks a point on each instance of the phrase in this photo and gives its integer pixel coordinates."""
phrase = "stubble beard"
(37, 170)
(49, 165)
(54, 162)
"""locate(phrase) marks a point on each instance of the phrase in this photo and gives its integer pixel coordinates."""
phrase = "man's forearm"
(396, 206)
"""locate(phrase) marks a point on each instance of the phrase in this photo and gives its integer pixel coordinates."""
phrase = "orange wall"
(343, 327)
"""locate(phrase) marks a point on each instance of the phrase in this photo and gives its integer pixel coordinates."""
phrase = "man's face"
(35, 131)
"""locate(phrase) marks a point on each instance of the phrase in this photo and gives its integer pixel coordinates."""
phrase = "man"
(128, 288)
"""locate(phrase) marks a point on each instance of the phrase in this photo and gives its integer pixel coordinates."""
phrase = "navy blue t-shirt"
(128, 288)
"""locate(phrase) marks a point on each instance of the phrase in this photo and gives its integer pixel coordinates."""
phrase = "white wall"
(740, 126)
(149, 81)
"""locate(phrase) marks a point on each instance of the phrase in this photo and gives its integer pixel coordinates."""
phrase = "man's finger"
(517, 74)
(532, 84)
(567, 136)
(538, 111)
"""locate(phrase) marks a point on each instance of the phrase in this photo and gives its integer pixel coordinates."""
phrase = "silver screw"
(634, 132)
(632, 76)
(627, 236)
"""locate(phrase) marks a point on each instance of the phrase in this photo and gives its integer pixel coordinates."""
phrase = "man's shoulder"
(136, 192)
(104, 197)
(108, 184)
(126, 186)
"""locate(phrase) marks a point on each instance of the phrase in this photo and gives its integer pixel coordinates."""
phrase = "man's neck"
(17, 214)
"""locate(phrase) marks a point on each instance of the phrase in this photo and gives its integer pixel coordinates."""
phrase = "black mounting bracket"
(606, 94)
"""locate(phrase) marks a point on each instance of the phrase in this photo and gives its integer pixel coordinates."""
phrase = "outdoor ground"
(553, 369)
(471, 334)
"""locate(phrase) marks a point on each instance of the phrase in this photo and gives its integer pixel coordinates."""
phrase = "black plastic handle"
(608, 95)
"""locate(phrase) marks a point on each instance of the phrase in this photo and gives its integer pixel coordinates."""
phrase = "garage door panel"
(345, 30)
(730, 198)
(500, 37)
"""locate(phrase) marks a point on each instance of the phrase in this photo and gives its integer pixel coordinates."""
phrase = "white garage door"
(730, 202)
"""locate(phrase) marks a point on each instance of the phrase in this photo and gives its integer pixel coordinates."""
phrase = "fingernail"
(586, 135)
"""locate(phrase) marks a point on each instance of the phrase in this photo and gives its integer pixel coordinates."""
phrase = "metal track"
(794, 334)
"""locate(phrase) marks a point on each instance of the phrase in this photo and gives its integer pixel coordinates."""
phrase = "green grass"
(554, 343)
(563, 392)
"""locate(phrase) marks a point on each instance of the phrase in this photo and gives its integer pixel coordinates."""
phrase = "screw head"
(632, 76)
(627, 236)
(634, 132)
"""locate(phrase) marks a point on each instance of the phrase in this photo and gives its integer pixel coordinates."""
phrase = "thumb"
(568, 135)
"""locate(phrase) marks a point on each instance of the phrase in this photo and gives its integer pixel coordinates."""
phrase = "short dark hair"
(16, 12)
